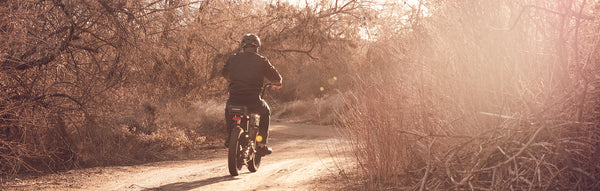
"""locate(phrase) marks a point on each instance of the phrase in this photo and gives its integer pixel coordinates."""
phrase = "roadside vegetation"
(431, 95)
(480, 95)
(89, 83)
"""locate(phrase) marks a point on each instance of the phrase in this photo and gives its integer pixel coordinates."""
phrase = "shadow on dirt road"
(183, 186)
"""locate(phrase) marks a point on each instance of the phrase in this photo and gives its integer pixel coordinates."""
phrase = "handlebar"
(265, 87)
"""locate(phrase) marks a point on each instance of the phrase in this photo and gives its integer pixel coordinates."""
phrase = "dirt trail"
(300, 160)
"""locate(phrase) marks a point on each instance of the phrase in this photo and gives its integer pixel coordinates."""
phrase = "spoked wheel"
(234, 158)
(254, 161)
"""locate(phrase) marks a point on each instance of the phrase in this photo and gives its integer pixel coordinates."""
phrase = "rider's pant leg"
(263, 126)
(228, 122)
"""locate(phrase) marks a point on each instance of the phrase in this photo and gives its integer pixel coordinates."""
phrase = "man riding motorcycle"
(246, 72)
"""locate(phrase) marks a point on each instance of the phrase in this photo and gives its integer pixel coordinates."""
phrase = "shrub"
(462, 105)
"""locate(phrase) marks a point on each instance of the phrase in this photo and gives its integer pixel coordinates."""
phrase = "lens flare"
(331, 81)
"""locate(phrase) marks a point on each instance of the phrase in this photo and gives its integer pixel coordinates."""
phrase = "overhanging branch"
(529, 7)
(306, 52)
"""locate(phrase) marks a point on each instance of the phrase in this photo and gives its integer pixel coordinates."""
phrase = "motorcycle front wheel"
(254, 163)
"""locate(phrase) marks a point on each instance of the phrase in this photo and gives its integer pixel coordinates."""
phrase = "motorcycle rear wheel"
(234, 157)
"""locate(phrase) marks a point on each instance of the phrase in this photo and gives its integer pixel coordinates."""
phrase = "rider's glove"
(277, 86)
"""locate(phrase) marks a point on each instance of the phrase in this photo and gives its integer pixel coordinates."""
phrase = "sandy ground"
(301, 160)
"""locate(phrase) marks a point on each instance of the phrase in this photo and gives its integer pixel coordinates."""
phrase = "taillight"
(237, 118)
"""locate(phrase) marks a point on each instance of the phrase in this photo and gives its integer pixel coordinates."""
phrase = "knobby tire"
(234, 159)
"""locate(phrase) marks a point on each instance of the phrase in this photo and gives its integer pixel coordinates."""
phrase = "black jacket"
(246, 72)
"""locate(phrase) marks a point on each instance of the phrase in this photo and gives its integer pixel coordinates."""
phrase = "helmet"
(250, 40)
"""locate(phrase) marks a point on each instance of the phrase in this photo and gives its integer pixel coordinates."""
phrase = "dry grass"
(395, 150)
(322, 111)
(459, 105)
(157, 133)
